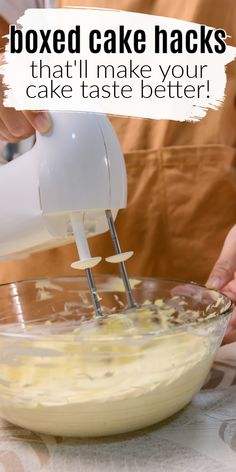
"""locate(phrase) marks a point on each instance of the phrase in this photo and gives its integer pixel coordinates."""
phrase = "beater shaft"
(94, 294)
(124, 275)
(86, 261)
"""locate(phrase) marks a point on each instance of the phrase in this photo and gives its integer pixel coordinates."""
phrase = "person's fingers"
(233, 320)
(225, 266)
(21, 124)
(5, 135)
(229, 291)
(40, 121)
(230, 336)
(18, 126)
(187, 290)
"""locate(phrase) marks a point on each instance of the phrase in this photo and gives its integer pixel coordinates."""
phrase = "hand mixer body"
(69, 186)
(76, 171)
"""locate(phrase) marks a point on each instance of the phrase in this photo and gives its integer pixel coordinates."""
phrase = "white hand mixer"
(69, 186)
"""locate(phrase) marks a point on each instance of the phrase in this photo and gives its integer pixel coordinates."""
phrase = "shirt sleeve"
(11, 10)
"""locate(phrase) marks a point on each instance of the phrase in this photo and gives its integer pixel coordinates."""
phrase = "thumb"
(39, 120)
(225, 267)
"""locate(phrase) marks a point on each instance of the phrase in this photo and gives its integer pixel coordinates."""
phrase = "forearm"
(3, 31)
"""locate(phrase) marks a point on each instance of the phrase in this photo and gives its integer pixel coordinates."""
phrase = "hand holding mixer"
(69, 186)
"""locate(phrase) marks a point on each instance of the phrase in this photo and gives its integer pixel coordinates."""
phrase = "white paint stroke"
(17, 71)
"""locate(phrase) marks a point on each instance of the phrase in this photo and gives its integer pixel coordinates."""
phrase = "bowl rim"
(159, 332)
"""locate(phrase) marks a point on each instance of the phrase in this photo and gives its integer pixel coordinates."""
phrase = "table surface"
(201, 438)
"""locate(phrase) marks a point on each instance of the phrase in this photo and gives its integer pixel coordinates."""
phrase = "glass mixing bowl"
(65, 373)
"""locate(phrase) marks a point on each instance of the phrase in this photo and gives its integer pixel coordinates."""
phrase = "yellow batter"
(100, 385)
